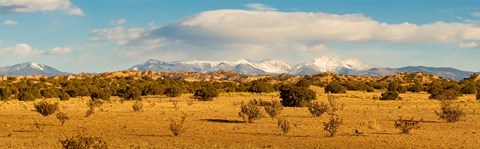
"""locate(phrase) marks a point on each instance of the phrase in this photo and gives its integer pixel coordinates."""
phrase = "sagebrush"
(449, 112)
(46, 108)
(176, 126)
(249, 112)
(406, 125)
(84, 142)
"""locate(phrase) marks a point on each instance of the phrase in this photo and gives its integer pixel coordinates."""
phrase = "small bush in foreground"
(46, 108)
(449, 112)
(137, 106)
(332, 124)
(284, 125)
(84, 142)
(406, 125)
(273, 109)
(62, 117)
(249, 112)
(176, 126)
(317, 109)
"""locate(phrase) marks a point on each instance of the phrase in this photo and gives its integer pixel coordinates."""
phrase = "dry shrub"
(317, 109)
(406, 125)
(249, 112)
(284, 125)
(176, 126)
(449, 112)
(273, 109)
(62, 117)
(137, 106)
(175, 104)
(46, 108)
(89, 112)
(92, 104)
(334, 105)
(332, 125)
(84, 142)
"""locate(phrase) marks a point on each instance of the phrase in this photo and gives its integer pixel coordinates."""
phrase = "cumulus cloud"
(244, 32)
(59, 51)
(260, 7)
(22, 49)
(469, 45)
(27, 6)
(9, 22)
(118, 22)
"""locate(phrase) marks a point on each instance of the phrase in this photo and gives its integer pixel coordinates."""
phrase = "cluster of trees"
(129, 88)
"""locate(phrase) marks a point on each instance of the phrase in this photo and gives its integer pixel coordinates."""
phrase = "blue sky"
(109, 35)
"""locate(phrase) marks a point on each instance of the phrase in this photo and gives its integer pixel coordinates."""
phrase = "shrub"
(445, 95)
(335, 87)
(48, 93)
(260, 102)
(261, 87)
(406, 125)
(304, 83)
(25, 96)
(132, 93)
(137, 106)
(296, 96)
(390, 95)
(62, 117)
(84, 142)
(449, 112)
(478, 96)
(46, 108)
(5, 93)
(173, 92)
(469, 88)
(106, 94)
(417, 87)
(317, 109)
(249, 112)
(332, 125)
(206, 94)
(64, 96)
(176, 126)
(284, 125)
(273, 109)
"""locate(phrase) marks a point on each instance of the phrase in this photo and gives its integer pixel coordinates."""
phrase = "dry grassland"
(216, 124)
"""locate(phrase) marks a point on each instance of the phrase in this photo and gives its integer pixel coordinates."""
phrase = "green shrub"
(5, 93)
(445, 95)
(206, 94)
(261, 87)
(335, 87)
(469, 88)
(25, 95)
(390, 95)
(132, 93)
(293, 96)
(46, 108)
(173, 92)
(417, 87)
(317, 109)
(64, 96)
(304, 83)
(449, 112)
(249, 112)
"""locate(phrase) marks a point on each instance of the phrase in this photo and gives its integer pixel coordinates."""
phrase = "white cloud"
(118, 22)
(27, 6)
(469, 45)
(10, 22)
(59, 51)
(260, 7)
(21, 49)
(120, 35)
(476, 14)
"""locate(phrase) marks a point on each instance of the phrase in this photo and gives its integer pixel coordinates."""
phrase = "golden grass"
(215, 124)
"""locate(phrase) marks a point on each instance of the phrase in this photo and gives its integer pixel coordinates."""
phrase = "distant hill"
(316, 66)
(30, 69)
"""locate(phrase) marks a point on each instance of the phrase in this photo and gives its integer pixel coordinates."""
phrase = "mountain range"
(264, 67)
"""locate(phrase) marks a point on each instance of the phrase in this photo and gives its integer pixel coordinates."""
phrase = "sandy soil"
(216, 124)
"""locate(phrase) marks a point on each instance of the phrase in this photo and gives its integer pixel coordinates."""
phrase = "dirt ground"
(215, 124)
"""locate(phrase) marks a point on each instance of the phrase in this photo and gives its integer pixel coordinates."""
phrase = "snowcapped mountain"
(267, 66)
(30, 68)
(243, 66)
(324, 64)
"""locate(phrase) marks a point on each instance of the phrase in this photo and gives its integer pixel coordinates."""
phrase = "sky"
(110, 35)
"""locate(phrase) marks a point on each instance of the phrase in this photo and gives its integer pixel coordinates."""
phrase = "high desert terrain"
(366, 123)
